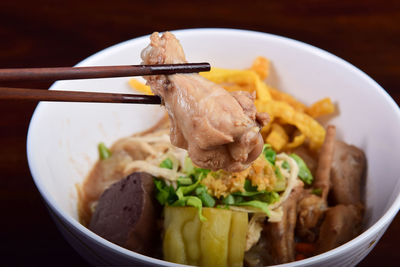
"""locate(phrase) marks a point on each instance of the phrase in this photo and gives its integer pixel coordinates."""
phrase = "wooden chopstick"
(68, 73)
(7, 93)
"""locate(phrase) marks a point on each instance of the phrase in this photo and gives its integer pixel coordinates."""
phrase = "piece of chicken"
(220, 130)
(341, 224)
(348, 167)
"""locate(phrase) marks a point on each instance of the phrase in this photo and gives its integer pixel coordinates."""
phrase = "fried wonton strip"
(220, 75)
(322, 175)
(321, 107)
(261, 67)
(141, 87)
(246, 78)
(281, 96)
(297, 141)
(307, 125)
(265, 130)
(277, 138)
(262, 91)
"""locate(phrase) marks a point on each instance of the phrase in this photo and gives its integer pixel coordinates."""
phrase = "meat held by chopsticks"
(220, 130)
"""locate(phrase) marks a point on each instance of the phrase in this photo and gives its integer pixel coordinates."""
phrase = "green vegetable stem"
(104, 152)
(304, 173)
(167, 164)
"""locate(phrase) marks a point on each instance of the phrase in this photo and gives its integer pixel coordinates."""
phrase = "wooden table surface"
(61, 33)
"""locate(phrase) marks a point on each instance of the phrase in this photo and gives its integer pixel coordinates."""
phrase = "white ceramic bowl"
(63, 137)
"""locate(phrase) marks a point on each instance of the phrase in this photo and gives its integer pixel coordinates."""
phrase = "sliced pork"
(341, 224)
(220, 130)
(347, 172)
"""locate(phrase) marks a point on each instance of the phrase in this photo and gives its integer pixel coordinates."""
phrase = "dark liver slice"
(126, 214)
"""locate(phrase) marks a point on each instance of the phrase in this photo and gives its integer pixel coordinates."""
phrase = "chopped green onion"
(165, 194)
(200, 189)
(104, 152)
(207, 199)
(304, 173)
(286, 165)
(249, 187)
(200, 173)
(188, 167)
(184, 190)
(184, 181)
(278, 172)
(162, 194)
(316, 191)
(167, 164)
(266, 146)
(269, 154)
(229, 200)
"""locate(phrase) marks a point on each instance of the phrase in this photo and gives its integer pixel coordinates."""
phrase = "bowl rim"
(372, 231)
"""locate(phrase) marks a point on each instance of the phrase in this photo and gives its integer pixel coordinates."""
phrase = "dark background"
(62, 33)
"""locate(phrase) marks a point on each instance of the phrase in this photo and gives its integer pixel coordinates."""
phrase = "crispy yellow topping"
(222, 183)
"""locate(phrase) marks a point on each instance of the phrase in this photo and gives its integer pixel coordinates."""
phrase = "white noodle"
(180, 154)
(291, 178)
(147, 148)
(254, 230)
(145, 166)
(150, 139)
